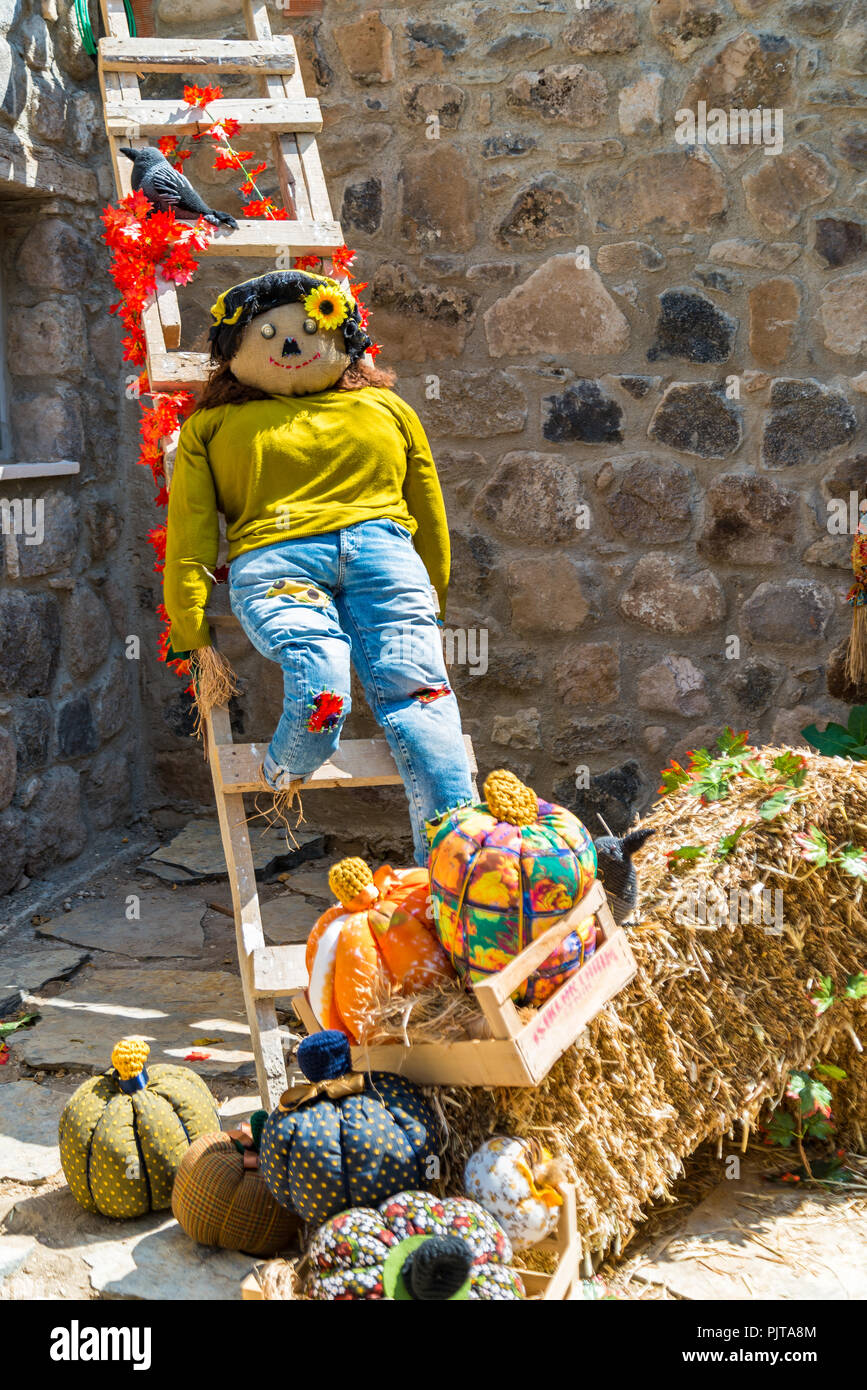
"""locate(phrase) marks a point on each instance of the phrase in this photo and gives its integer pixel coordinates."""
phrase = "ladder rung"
(270, 238)
(132, 118)
(360, 762)
(280, 970)
(272, 56)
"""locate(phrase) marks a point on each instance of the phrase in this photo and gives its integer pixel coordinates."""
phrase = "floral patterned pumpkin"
(516, 1181)
(380, 938)
(503, 872)
(413, 1246)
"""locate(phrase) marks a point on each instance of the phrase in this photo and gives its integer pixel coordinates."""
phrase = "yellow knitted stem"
(347, 879)
(509, 800)
(129, 1057)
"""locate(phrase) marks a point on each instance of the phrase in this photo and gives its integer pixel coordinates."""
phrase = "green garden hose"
(82, 17)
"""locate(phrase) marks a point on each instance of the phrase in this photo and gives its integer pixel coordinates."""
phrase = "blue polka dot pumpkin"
(347, 1139)
(503, 872)
(123, 1134)
(413, 1246)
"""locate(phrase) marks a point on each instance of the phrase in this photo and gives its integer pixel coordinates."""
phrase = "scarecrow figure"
(338, 540)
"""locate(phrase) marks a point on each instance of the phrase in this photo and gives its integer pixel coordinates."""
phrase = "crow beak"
(130, 154)
(290, 347)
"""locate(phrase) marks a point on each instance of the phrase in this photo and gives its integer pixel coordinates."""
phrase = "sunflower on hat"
(326, 306)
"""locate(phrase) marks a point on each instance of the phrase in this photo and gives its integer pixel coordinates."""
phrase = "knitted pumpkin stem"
(214, 680)
(509, 799)
(129, 1056)
(351, 882)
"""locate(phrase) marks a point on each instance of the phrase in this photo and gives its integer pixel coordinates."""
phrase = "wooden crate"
(563, 1283)
(519, 1053)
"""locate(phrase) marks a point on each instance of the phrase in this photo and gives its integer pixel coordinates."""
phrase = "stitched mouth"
(293, 366)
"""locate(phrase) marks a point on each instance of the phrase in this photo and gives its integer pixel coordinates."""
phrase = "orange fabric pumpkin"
(379, 937)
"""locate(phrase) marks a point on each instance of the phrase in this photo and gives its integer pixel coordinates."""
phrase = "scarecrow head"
(288, 333)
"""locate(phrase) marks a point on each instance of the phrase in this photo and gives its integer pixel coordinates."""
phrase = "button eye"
(268, 330)
(310, 325)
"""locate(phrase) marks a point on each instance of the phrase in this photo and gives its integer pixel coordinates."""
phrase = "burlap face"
(289, 361)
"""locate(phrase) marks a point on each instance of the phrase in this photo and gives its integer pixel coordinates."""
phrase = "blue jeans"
(363, 593)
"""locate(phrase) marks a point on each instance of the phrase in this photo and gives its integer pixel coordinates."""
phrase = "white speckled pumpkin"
(515, 1181)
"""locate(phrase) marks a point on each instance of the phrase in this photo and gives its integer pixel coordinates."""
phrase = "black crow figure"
(167, 189)
(616, 874)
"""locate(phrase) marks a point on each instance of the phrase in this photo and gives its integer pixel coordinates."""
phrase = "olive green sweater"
(295, 466)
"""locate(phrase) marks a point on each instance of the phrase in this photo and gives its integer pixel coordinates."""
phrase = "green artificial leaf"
(817, 1127)
(673, 777)
(7, 1028)
(828, 1070)
(699, 758)
(687, 852)
(775, 805)
(729, 842)
(791, 767)
(834, 741)
(814, 846)
(752, 768)
(856, 987)
(853, 861)
(813, 1096)
(824, 996)
(857, 723)
(732, 744)
(781, 1129)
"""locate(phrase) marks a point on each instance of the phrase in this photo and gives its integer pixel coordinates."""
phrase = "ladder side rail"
(264, 1028)
(284, 148)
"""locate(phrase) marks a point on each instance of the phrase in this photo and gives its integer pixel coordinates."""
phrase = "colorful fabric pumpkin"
(123, 1134)
(515, 1180)
(220, 1197)
(381, 937)
(413, 1246)
(504, 871)
(348, 1138)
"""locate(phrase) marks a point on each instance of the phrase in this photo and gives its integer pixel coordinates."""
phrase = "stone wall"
(68, 746)
(641, 364)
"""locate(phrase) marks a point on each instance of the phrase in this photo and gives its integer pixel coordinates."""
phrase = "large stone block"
(47, 539)
(8, 767)
(87, 631)
(559, 308)
(774, 309)
(55, 824)
(673, 686)
(607, 27)
(696, 418)
(48, 339)
(652, 500)
(533, 497)
(749, 520)
(476, 405)
(571, 93)
(675, 191)
(437, 200)
(29, 642)
(665, 597)
(547, 210)
(548, 595)
(788, 612)
(108, 790)
(76, 728)
(362, 205)
(843, 309)
(692, 327)
(684, 25)
(33, 728)
(415, 321)
(807, 420)
(583, 413)
(751, 70)
(49, 427)
(589, 674)
(780, 189)
(13, 840)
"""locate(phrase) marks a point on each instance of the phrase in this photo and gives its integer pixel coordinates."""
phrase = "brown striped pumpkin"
(220, 1198)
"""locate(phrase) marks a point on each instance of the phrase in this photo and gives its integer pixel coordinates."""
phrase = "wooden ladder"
(291, 119)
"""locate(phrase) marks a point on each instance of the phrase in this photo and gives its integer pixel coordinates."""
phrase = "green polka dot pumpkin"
(123, 1134)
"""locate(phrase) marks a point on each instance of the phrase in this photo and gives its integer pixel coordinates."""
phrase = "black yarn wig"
(257, 296)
